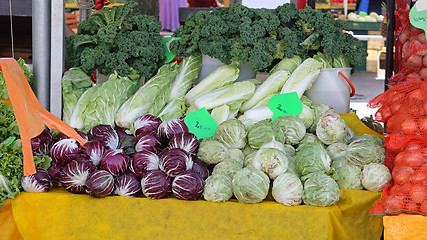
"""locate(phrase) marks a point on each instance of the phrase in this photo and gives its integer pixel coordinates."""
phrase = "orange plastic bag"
(405, 227)
(29, 113)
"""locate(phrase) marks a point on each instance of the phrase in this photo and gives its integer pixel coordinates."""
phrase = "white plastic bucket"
(209, 65)
(332, 87)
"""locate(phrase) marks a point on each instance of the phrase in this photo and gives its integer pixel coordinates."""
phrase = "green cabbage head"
(272, 161)
(320, 190)
(375, 176)
(312, 157)
(348, 175)
(374, 139)
(218, 188)
(331, 128)
(212, 151)
(361, 152)
(250, 185)
(263, 132)
(232, 133)
(336, 150)
(293, 127)
(287, 189)
(228, 167)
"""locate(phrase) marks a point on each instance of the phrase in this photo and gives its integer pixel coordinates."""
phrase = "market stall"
(180, 140)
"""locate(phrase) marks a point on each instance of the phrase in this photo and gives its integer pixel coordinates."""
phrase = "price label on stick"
(285, 104)
(10, 141)
(418, 15)
(169, 55)
(200, 123)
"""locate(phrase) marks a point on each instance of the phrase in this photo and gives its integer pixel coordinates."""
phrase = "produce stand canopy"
(61, 215)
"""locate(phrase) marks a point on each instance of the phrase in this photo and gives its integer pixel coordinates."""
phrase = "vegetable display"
(138, 142)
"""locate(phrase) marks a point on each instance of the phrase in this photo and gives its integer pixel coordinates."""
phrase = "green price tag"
(10, 141)
(285, 104)
(169, 55)
(418, 15)
(200, 123)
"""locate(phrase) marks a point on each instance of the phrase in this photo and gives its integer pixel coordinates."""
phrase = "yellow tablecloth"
(62, 215)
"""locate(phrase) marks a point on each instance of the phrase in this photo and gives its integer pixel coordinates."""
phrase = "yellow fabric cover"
(404, 226)
(8, 228)
(62, 215)
(357, 125)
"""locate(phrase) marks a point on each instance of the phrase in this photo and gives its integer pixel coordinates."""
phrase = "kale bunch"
(109, 42)
(235, 34)
(319, 32)
(260, 37)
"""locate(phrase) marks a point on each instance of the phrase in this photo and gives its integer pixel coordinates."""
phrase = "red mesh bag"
(408, 190)
(400, 148)
(407, 124)
(407, 97)
(411, 50)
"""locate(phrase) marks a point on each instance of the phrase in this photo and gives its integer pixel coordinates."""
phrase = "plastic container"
(332, 87)
(209, 65)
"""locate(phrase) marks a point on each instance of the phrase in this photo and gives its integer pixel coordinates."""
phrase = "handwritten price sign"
(418, 15)
(200, 123)
(285, 104)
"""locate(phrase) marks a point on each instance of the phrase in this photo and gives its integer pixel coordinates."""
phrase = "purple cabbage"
(156, 185)
(127, 185)
(174, 161)
(105, 134)
(115, 161)
(100, 184)
(188, 185)
(42, 144)
(146, 123)
(74, 176)
(88, 162)
(200, 167)
(147, 141)
(144, 161)
(37, 182)
(171, 127)
(55, 173)
(64, 151)
(94, 151)
(186, 141)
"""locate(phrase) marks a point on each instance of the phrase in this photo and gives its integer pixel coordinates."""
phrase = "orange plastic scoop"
(29, 113)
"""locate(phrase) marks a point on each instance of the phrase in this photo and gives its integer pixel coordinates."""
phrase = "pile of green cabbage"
(297, 161)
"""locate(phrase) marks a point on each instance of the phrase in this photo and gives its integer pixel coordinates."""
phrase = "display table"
(62, 215)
